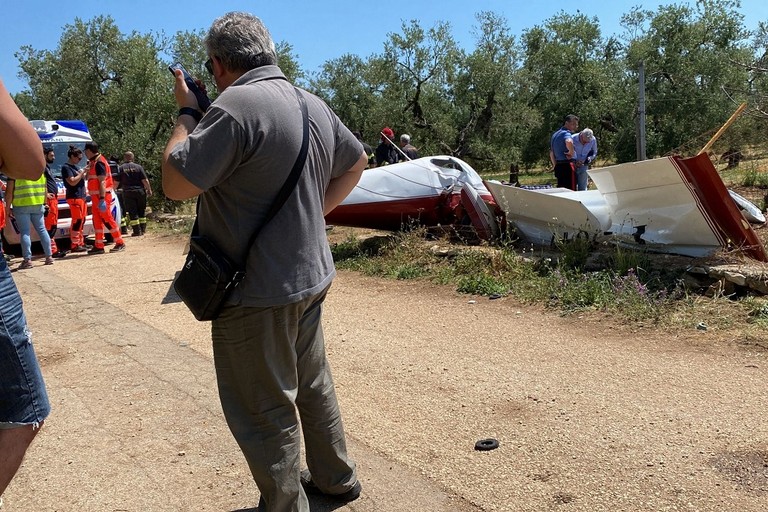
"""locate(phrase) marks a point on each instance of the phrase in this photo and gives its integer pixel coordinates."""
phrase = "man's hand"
(185, 97)
(102, 205)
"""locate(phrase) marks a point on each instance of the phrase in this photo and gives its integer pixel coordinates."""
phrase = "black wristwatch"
(189, 111)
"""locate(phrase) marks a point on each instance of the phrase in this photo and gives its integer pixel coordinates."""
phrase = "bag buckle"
(236, 278)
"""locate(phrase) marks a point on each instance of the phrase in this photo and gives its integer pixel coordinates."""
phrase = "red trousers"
(78, 210)
(102, 221)
(52, 220)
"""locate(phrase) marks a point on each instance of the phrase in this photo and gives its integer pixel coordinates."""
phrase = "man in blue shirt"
(585, 145)
(562, 153)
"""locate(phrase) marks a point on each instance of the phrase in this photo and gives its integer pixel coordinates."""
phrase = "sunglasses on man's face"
(209, 66)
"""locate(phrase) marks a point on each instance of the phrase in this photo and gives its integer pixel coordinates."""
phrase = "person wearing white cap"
(585, 145)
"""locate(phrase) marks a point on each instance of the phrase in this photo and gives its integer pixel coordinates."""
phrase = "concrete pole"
(641, 114)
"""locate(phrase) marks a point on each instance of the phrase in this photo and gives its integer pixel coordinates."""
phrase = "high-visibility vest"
(93, 180)
(29, 193)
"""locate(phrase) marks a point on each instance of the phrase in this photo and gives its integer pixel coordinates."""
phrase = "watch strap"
(189, 111)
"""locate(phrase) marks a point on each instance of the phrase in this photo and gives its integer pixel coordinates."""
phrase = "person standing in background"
(100, 189)
(561, 153)
(585, 147)
(409, 151)
(385, 152)
(51, 202)
(133, 182)
(25, 202)
(74, 185)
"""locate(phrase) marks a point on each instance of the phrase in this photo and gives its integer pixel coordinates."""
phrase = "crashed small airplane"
(671, 204)
(430, 191)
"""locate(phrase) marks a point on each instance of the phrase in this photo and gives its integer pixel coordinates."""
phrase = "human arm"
(9, 196)
(100, 171)
(74, 179)
(20, 155)
(73, 175)
(340, 187)
(570, 150)
(175, 185)
(102, 192)
(147, 187)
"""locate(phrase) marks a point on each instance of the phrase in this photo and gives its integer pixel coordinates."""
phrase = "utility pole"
(641, 113)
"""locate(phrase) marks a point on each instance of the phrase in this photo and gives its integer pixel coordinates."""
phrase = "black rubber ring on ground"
(486, 444)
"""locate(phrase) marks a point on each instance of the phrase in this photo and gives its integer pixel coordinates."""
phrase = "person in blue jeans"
(585, 145)
(25, 202)
(24, 404)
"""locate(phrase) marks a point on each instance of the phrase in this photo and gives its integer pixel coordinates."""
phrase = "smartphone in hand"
(202, 99)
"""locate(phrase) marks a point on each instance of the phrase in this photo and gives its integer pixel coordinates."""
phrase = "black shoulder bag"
(209, 276)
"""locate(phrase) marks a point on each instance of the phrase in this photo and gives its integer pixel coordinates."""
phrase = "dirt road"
(589, 417)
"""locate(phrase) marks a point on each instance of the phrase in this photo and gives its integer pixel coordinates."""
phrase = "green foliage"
(757, 310)
(625, 288)
(289, 62)
(573, 291)
(569, 69)
(115, 82)
(755, 178)
(690, 56)
(626, 260)
(575, 251)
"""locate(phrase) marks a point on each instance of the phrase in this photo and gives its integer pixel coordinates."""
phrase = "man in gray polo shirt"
(268, 341)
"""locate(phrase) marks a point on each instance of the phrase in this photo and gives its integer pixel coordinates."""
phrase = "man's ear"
(218, 67)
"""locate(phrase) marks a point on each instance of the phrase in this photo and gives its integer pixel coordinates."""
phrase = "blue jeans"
(23, 398)
(582, 179)
(270, 362)
(27, 216)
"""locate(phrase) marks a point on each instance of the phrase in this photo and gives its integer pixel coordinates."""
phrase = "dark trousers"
(136, 207)
(135, 203)
(565, 173)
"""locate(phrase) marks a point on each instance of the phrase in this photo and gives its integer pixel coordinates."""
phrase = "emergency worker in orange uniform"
(74, 183)
(51, 201)
(100, 190)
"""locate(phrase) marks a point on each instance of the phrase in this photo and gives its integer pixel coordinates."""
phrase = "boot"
(136, 230)
(143, 227)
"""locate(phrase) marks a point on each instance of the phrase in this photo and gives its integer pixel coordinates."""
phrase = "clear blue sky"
(318, 31)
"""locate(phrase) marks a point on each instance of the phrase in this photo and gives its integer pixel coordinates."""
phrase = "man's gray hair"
(241, 42)
(405, 138)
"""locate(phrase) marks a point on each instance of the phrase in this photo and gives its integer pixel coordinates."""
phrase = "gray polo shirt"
(239, 155)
